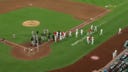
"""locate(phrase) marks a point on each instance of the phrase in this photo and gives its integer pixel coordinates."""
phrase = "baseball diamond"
(62, 35)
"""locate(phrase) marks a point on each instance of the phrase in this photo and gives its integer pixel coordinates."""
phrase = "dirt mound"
(31, 23)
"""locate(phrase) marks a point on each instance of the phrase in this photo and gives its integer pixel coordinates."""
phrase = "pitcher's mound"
(31, 23)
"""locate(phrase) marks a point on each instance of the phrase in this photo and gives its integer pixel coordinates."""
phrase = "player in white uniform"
(91, 27)
(60, 35)
(81, 31)
(119, 32)
(64, 34)
(70, 33)
(92, 40)
(88, 39)
(57, 33)
(77, 33)
(114, 54)
(101, 32)
(95, 28)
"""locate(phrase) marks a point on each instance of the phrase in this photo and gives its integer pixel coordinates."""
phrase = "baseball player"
(119, 32)
(91, 27)
(90, 31)
(30, 51)
(76, 34)
(60, 35)
(55, 38)
(64, 34)
(88, 40)
(32, 41)
(70, 33)
(25, 49)
(92, 40)
(95, 28)
(114, 54)
(81, 31)
(37, 38)
(101, 32)
(57, 34)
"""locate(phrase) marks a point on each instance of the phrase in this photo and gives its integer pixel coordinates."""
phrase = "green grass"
(103, 3)
(63, 54)
(110, 23)
(12, 22)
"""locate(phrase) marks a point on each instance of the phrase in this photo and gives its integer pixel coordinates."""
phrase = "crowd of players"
(37, 38)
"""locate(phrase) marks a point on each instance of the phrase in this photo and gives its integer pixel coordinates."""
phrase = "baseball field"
(57, 15)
